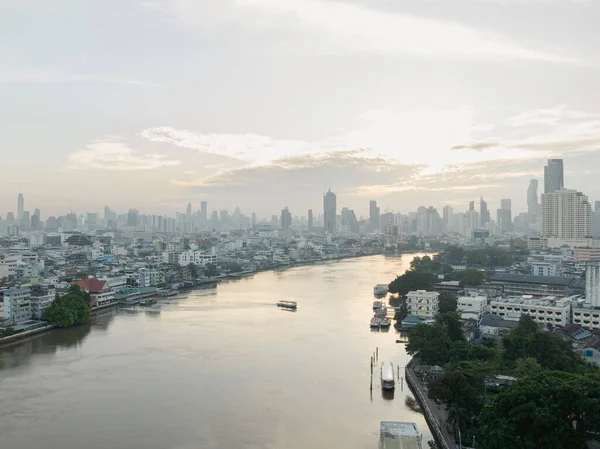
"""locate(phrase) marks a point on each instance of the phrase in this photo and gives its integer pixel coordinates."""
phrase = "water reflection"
(388, 395)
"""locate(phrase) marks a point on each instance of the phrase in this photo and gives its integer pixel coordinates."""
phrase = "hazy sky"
(263, 104)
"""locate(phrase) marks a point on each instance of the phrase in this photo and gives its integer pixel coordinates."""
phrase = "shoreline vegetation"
(527, 389)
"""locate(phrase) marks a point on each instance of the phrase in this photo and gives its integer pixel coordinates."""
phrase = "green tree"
(401, 313)
(455, 254)
(553, 410)
(471, 278)
(527, 366)
(452, 325)
(430, 344)
(447, 302)
(193, 270)
(211, 270)
(69, 309)
(412, 280)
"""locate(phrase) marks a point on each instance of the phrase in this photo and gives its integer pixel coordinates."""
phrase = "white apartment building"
(170, 257)
(145, 277)
(548, 310)
(199, 258)
(422, 303)
(472, 307)
(544, 269)
(588, 313)
(15, 305)
(40, 301)
(11, 262)
(566, 214)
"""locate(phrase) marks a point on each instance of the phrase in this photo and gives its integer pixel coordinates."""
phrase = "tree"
(193, 270)
(527, 366)
(447, 302)
(72, 308)
(550, 410)
(455, 254)
(471, 278)
(454, 389)
(210, 270)
(412, 280)
(401, 313)
(430, 344)
(452, 325)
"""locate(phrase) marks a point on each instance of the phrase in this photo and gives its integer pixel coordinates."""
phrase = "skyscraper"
(484, 213)
(471, 205)
(374, 215)
(132, 217)
(189, 209)
(203, 212)
(504, 215)
(447, 212)
(597, 206)
(330, 211)
(566, 214)
(532, 200)
(20, 206)
(553, 176)
(352, 222)
(310, 220)
(286, 218)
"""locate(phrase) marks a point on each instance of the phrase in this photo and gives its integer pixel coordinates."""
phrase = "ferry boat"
(381, 312)
(375, 322)
(288, 304)
(380, 290)
(376, 305)
(387, 376)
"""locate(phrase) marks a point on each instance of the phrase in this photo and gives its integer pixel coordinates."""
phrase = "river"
(221, 368)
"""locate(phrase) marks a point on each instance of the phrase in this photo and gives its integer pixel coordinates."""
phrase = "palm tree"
(457, 417)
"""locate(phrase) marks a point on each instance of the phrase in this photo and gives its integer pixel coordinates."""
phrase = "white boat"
(375, 322)
(385, 323)
(381, 289)
(381, 312)
(288, 304)
(387, 376)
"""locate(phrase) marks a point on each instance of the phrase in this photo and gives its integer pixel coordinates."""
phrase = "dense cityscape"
(543, 263)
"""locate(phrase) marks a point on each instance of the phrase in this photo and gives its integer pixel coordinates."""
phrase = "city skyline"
(401, 102)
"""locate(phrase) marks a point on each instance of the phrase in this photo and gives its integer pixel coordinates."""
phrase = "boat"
(381, 289)
(375, 322)
(288, 304)
(381, 312)
(385, 323)
(376, 305)
(387, 376)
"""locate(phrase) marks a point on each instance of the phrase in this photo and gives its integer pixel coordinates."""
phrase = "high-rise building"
(203, 212)
(352, 222)
(566, 214)
(471, 205)
(223, 217)
(132, 217)
(286, 218)
(596, 224)
(253, 220)
(374, 215)
(330, 211)
(597, 206)
(310, 220)
(20, 206)
(553, 176)
(504, 215)
(274, 221)
(189, 209)
(25, 219)
(484, 213)
(532, 200)
(447, 212)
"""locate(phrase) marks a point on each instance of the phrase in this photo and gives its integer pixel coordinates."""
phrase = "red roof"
(92, 285)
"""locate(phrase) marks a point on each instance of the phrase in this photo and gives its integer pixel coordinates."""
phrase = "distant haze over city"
(263, 104)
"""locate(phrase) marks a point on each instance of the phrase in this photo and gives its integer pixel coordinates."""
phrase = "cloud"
(478, 146)
(547, 117)
(318, 26)
(61, 77)
(116, 156)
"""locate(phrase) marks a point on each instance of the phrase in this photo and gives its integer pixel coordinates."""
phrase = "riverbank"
(22, 336)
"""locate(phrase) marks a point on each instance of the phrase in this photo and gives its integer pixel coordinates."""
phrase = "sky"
(264, 104)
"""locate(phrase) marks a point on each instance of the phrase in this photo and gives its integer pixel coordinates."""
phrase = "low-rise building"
(523, 284)
(544, 269)
(546, 311)
(41, 299)
(422, 303)
(145, 277)
(15, 305)
(199, 258)
(586, 255)
(472, 307)
(494, 326)
(100, 292)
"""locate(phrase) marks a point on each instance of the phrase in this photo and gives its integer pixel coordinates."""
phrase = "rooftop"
(399, 435)
(530, 279)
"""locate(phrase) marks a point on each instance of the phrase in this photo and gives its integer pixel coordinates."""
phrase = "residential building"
(422, 303)
(145, 277)
(494, 326)
(472, 307)
(330, 212)
(198, 257)
(547, 311)
(504, 215)
(101, 294)
(41, 299)
(484, 213)
(20, 206)
(586, 254)
(553, 176)
(286, 218)
(544, 269)
(15, 305)
(132, 218)
(524, 284)
(310, 220)
(566, 214)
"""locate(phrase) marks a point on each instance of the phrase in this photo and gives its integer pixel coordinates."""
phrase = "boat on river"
(375, 322)
(292, 305)
(380, 290)
(385, 323)
(387, 376)
(376, 305)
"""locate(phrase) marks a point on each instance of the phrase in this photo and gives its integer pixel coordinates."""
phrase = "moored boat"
(380, 290)
(375, 322)
(385, 323)
(288, 304)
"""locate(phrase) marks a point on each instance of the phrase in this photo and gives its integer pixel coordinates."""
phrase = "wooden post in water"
(377, 353)
(398, 372)
(402, 383)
